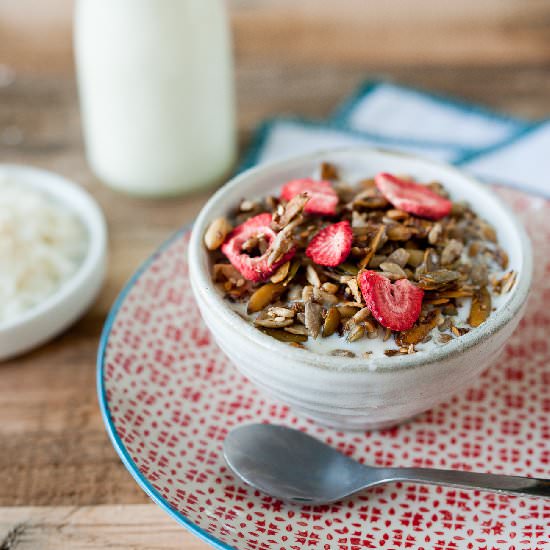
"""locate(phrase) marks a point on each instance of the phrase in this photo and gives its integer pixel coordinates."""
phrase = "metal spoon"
(296, 467)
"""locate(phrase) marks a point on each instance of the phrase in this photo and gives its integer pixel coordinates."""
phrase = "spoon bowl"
(295, 467)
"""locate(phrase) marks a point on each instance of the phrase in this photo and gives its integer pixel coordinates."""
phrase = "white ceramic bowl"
(73, 297)
(355, 392)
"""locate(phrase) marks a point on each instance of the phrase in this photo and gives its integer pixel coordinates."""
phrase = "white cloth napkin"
(282, 138)
(522, 162)
(407, 113)
(493, 146)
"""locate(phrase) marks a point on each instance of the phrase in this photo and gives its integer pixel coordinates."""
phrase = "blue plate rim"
(117, 443)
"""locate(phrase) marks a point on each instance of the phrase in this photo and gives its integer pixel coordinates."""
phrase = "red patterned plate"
(169, 397)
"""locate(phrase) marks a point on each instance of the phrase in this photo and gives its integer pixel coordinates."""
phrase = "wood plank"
(38, 35)
(134, 527)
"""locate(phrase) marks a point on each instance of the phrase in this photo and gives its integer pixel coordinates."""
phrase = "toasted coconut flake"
(373, 247)
(354, 288)
(459, 293)
(419, 331)
(508, 282)
(285, 214)
(459, 331)
(283, 242)
(480, 307)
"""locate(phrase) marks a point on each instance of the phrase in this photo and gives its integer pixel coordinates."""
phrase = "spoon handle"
(514, 485)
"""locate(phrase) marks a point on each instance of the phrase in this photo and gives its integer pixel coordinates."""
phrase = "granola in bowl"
(380, 266)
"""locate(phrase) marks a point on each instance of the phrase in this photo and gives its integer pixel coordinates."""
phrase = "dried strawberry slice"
(413, 198)
(253, 268)
(331, 245)
(322, 197)
(395, 306)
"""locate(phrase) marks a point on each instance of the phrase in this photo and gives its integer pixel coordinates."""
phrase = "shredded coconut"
(42, 243)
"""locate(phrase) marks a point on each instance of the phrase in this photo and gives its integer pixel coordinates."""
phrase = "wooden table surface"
(61, 483)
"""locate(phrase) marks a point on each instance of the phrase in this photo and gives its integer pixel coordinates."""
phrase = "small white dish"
(355, 392)
(48, 318)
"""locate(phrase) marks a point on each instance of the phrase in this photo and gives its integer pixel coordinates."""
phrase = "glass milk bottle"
(156, 89)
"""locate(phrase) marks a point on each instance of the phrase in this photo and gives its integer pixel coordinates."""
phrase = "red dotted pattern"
(173, 397)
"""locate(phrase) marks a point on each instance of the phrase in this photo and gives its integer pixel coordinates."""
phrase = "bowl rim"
(78, 201)
(204, 289)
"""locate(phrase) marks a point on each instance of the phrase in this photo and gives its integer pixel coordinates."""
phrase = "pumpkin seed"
(332, 321)
(284, 335)
(416, 257)
(273, 322)
(264, 296)
(437, 279)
